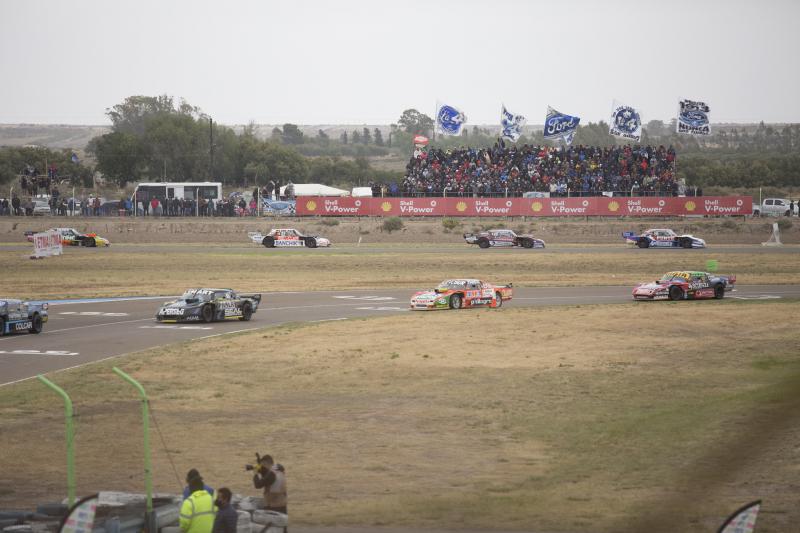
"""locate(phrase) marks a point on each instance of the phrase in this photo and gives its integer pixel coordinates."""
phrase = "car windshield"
(198, 294)
(453, 284)
(676, 276)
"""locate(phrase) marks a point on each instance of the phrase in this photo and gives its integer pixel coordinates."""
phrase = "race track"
(86, 331)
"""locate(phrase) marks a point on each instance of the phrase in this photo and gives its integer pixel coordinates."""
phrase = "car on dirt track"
(73, 237)
(288, 238)
(462, 293)
(502, 238)
(685, 285)
(663, 238)
(209, 305)
(17, 316)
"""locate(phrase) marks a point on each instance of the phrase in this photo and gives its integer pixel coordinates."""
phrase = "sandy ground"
(368, 230)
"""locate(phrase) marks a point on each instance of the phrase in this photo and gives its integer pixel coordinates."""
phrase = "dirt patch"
(556, 419)
(368, 230)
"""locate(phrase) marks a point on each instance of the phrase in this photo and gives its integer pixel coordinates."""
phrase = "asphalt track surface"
(81, 332)
(349, 248)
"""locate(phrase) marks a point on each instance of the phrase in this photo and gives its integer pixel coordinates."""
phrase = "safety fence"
(534, 207)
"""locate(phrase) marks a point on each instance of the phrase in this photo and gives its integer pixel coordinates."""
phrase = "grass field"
(161, 270)
(562, 419)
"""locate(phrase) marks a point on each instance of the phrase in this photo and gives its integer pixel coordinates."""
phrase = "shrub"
(392, 224)
(784, 224)
(329, 222)
(450, 224)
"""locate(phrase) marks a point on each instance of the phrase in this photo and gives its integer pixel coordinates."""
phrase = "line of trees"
(158, 137)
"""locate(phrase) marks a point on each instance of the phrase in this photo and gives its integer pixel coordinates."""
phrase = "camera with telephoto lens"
(257, 467)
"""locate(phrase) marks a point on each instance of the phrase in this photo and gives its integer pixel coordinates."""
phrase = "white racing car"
(288, 238)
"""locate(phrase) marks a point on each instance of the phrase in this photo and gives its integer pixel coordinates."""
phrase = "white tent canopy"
(315, 189)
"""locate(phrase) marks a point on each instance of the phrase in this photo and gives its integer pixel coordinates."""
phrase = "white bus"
(210, 190)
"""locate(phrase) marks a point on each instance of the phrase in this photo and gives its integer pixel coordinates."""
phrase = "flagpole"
(435, 120)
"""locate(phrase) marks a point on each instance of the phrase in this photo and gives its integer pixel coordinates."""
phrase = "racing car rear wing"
(254, 297)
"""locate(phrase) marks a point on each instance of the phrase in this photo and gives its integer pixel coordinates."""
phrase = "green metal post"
(70, 437)
(148, 472)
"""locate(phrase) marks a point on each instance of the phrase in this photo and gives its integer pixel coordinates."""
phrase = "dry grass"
(555, 419)
(88, 273)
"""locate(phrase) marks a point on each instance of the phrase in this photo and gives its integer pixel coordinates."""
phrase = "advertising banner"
(607, 206)
(483, 207)
(342, 206)
(557, 207)
(46, 244)
(408, 207)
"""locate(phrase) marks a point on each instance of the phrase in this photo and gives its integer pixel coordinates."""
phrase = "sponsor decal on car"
(22, 326)
(172, 311)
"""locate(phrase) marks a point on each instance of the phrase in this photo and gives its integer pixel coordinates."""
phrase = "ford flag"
(693, 118)
(449, 120)
(560, 126)
(625, 122)
(511, 124)
(743, 520)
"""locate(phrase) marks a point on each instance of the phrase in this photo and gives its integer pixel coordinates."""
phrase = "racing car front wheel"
(455, 301)
(207, 314)
(36, 324)
(311, 242)
(483, 243)
(686, 243)
(499, 298)
(2, 326)
(247, 312)
(643, 243)
(719, 292)
(675, 293)
(527, 243)
(269, 242)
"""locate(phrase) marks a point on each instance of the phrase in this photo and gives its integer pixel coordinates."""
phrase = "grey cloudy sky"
(354, 62)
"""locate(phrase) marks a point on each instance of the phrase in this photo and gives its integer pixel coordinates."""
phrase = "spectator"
(513, 170)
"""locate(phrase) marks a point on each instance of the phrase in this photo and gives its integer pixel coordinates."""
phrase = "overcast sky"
(364, 62)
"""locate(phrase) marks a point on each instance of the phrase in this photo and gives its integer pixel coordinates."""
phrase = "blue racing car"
(17, 316)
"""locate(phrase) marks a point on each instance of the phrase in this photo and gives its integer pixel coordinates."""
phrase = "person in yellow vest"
(197, 511)
(272, 478)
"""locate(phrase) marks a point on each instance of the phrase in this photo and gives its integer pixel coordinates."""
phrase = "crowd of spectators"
(509, 170)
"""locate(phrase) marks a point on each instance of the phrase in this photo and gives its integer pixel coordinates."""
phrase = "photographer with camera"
(272, 478)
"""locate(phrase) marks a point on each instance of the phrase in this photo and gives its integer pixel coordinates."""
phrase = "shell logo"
(536, 206)
(311, 205)
(690, 206)
(386, 206)
(358, 203)
(461, 207)
(585, 203)
(433, 203)
(509, 203)
(613, 206)
(662, 203)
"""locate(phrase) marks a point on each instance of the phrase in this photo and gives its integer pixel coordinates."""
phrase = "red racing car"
(461, 293)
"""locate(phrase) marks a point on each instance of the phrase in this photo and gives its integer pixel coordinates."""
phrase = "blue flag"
(449, 120)
(560, 126)
(511, 124)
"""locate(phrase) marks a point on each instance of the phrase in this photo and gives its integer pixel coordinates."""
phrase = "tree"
(412, 121)
(355, 137)
(292, 134)
(343, 137)
(366, 136)
(132, 114)
(378, 137)
(323, 138)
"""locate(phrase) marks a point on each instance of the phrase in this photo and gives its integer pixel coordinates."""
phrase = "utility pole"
(211, 149)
